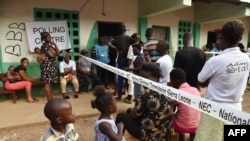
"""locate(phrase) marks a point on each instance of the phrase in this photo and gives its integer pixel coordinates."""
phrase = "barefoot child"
(59, 112)
(105, 127)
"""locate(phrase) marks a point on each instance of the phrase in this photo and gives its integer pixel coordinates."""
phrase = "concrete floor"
(23, 113)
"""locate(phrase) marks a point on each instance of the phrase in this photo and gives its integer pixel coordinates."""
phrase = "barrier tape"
(216, 110)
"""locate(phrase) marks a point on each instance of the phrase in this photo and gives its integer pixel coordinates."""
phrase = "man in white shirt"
(68, 74)
(226, 75)
(165, 62)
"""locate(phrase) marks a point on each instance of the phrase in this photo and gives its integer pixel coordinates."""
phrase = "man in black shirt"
(121, 43)
(190, 59)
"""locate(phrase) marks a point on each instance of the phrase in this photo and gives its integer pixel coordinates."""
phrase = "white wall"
(172, 20)
(115, 11)
(205, 27)
(17, 12)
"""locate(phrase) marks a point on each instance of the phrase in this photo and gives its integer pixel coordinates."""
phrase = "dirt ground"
(84, 126)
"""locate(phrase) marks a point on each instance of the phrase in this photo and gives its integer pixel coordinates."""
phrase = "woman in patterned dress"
(151, 117)
(48, 67)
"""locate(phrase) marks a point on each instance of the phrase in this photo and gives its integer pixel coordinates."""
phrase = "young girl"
(105, 127)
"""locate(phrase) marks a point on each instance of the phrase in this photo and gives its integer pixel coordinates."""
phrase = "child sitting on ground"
(105, 127)
(59, 112)
(187, 119)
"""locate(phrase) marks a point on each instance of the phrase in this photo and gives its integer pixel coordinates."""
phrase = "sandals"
(34, 100)
(75, 96)
(66, 97)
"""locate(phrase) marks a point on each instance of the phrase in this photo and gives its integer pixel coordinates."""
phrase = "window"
(184, 26)
(161, 32)
(72, 17)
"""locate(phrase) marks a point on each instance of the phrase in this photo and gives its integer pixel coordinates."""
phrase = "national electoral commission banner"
(57, 29)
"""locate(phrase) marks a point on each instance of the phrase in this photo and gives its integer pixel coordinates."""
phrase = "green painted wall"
(196, 34)
(248, 40)
(142, 26)
(93, 38)
(34, 71)
(154, 7)
(1, 59)
(171, 53)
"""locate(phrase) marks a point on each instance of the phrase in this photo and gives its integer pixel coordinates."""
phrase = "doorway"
(109, 30)
(211, 37)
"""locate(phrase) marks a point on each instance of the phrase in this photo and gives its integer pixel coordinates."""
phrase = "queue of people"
(191, 71)
(153, 116)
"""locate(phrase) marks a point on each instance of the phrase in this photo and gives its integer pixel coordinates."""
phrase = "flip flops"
(66, 97)
(75, 96)
(34, 100)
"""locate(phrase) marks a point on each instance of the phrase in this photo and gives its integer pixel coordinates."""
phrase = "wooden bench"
(4, 91)
(13, 92)
(41, 85)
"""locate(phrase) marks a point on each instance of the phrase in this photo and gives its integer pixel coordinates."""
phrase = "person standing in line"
(149, 49)
(105, 127)
(121, 43)
(137, 63)
(186, 120)
(48, 68)
(131, 57)
(165, 62)
(101, 53)
(248, 47)
(226, 75)
(190, 59)
(242, 47)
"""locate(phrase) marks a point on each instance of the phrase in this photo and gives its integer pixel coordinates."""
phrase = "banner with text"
(57, 29)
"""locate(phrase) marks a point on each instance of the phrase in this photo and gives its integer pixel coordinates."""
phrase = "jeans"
(103, 74)
(137, 90)
(121, 64)
(87, 79)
